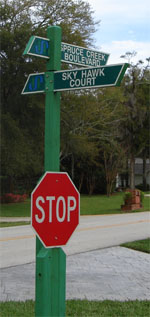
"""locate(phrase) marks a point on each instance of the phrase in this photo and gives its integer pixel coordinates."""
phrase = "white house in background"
(121, 181)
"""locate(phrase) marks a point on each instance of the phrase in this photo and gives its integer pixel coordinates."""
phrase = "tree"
(114, 163)
(91, 136)
(23, 140)
(75, 18)
(77, 111)
(112, 155)
(135, 126)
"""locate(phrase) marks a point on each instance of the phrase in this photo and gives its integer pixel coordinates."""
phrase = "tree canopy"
(100, 129)
(136, 124)
(23, 116)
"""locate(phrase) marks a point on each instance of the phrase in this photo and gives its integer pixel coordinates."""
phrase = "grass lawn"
(14, 224)
(140, 245)
(90, 205)
(82, 309)
(16, 209)
(101, 204)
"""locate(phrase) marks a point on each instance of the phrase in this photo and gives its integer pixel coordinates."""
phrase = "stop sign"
(55, 209)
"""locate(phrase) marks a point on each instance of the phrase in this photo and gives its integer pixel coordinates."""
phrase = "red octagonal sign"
(55, 209)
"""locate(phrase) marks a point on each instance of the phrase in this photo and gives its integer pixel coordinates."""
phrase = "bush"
(12, 198)
(141, 196)
(127, 196)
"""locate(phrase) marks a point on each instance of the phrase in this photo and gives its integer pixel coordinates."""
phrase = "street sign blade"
(82, 56)
(71, 54)
(121, 74)
(35, 84)
(38, 46)
(103, 76)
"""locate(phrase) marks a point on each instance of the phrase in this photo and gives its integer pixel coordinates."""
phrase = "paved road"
(17, 244)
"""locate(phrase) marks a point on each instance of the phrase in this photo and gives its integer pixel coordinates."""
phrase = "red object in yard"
(133, 202)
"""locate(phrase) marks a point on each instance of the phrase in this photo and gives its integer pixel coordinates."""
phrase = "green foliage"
(90, 135)
(127, 195)
(22, 124)
(135, 126)
(100, 129)
(141, 196)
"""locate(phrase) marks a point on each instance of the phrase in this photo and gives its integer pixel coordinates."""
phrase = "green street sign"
(51, 263)
(38, 46)
(82, 78)
(104, 76)
(34, 84)
(82, 56)
(72, 54)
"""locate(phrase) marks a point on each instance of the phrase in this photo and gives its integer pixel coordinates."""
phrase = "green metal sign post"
(51, 263)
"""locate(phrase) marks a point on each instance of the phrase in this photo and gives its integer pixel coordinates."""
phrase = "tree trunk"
(72, 167)
(144, 172)
(132, 172)
(90, 183)
(108, 189)
(127, 176)
(81, 182)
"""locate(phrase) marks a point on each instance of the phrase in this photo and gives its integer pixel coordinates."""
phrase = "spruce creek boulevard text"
(82, 56)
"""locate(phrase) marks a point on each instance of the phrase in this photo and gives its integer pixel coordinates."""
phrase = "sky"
(124, 27)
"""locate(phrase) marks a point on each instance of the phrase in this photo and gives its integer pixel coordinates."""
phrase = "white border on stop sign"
(60, 173)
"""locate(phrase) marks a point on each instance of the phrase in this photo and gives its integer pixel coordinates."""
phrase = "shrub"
(127, 195)
(12, 198)
(141, 196)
